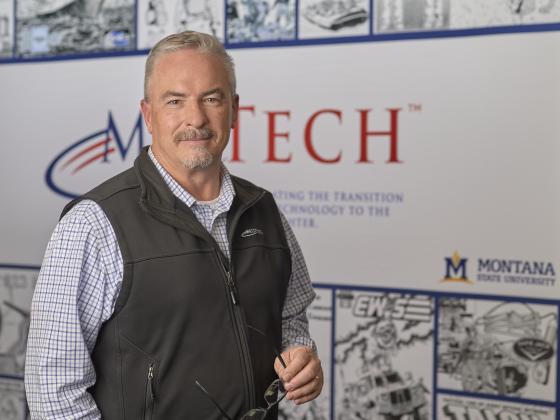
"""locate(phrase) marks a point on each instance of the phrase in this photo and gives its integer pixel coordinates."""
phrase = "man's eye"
(173, 102)
(211, 100)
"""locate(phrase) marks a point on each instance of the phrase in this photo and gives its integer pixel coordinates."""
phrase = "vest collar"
(159, 200)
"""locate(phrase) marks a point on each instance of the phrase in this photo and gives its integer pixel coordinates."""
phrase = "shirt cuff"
(301, 341)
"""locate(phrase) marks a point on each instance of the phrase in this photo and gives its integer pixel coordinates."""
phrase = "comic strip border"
(371, 37)
(435, 295)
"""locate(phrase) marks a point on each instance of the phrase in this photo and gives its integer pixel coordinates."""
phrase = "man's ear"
(146, 109)
(235, 110)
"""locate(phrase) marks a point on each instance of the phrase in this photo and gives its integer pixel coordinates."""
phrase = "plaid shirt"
(79, 282)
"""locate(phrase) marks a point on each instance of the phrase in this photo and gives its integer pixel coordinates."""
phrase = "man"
(173, 272)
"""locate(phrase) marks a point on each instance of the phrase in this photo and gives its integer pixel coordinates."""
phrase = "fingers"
(306, 392)
(297, 359)
(278, 367)
(308, 371)
(303, 375)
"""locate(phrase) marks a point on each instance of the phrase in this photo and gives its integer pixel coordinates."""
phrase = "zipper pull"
(150, 380)
(231, 287)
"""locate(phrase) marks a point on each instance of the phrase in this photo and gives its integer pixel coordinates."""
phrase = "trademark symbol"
(412, 107)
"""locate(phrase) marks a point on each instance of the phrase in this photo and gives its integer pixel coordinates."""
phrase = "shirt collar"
(225, 198)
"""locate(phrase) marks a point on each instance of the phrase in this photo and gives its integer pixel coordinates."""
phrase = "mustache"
(193, 134)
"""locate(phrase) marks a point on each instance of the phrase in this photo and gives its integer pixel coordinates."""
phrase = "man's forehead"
(171, 67)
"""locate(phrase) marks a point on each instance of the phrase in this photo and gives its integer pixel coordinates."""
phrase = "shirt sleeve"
(300, 294)
(76, 290)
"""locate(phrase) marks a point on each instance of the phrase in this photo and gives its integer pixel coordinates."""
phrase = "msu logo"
(456, 269)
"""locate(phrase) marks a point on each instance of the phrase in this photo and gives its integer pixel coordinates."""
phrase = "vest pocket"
(140, 371)
(150, 396)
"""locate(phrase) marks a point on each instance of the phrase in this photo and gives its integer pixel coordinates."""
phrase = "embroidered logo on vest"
(251, 232)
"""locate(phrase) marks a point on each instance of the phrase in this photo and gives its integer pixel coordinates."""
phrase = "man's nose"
(196, 114)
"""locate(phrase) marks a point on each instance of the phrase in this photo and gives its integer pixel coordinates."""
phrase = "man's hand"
(303, 375)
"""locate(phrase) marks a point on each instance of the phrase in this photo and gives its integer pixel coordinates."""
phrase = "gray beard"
(202, 159)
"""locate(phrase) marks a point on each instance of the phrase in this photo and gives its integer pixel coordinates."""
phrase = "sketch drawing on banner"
(484, 13)
(500, 348)
(12, 400)
(260, 20)
(6, 27)
(383, 356)
(333, 18)
(54, 27)
(410, 15)
(464, 408)
(16, 290)
(159, 18)
(320, 327)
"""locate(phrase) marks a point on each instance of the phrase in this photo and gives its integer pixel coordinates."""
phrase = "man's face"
(190, 110)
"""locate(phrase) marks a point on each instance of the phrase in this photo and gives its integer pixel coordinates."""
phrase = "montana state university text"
(516, 272)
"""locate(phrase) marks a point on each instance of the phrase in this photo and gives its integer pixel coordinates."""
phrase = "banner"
(412, 146)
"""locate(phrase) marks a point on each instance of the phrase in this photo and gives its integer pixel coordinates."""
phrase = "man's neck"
(202, 184)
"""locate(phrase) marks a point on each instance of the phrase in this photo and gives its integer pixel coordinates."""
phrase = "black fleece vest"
(183, 311)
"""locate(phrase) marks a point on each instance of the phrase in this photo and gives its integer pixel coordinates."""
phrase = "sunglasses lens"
(275, 392)
(254, 414)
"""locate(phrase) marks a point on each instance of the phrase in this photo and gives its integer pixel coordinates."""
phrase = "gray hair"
(201, 42)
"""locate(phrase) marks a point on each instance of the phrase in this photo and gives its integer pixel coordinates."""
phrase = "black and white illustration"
(6, 28)
(484, 13)
(417, 15)
(497, 347)
(411, 15)
(260, 20)
(383, 356)
(320, 327)
(12, 400)
(158, 18)
(16, 291)
(454, 408)
(333, 18)
(57, 27)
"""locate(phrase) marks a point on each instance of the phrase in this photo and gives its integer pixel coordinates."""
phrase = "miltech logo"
(87, 163)
(63, 175)
(456, 269)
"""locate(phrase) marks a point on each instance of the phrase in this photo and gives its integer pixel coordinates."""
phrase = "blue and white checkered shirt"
(76, 292)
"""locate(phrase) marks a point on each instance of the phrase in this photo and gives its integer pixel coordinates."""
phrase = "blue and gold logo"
(456, 269)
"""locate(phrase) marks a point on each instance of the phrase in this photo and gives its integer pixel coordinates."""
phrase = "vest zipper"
(237, 314)
(232, 288)
(239, 328)
(149, 404)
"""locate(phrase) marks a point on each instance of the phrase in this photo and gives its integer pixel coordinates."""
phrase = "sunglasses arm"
(199, 385)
